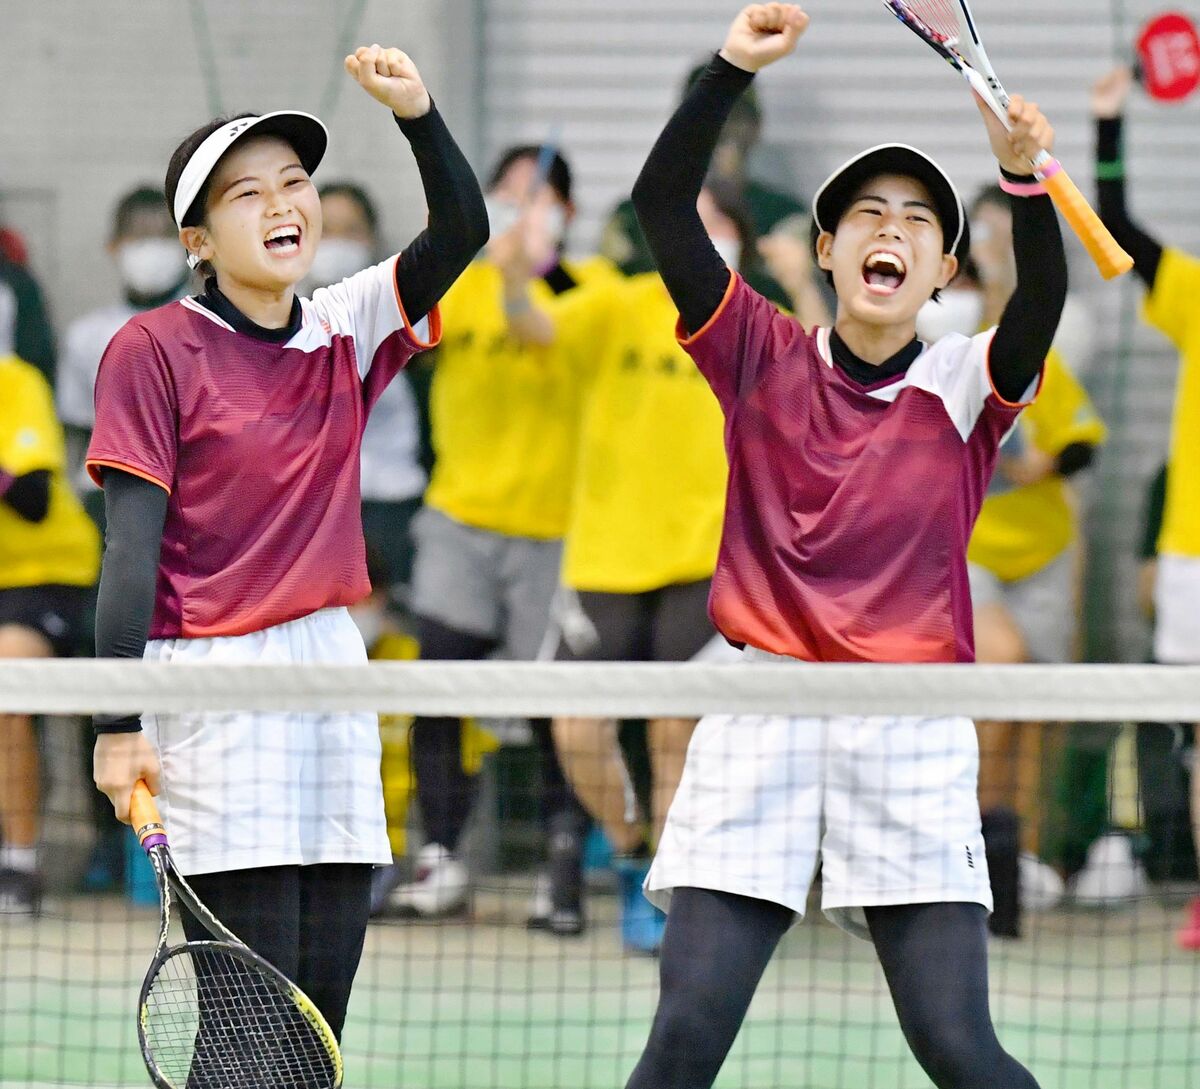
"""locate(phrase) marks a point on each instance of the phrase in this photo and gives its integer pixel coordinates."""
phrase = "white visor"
(303, 131)
(832, 197)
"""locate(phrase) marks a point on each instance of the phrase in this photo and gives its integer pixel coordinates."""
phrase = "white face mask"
(151, 266)
(956, 312)
(369, 621)
(730, 251)
(555, 224)
(337, 259)
(501, 215)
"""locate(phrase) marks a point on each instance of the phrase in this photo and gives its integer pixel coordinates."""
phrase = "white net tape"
(1082, 693)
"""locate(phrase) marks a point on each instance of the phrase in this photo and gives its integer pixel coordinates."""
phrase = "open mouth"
(884, 272)
(283, 241)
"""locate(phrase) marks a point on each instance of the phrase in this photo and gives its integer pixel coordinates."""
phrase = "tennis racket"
(948, 27)
(214, 1014)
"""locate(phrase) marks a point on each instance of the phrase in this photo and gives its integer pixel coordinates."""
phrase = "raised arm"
(1109, 96)
(1030, 320)
(457, 227)
(666, 191)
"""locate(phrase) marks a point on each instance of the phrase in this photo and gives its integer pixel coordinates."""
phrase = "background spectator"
(49, 560)
(152, 270)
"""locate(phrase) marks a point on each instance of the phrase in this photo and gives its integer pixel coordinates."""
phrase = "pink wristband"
(1022, 189)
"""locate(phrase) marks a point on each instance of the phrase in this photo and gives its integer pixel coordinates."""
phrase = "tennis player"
(227, 441)
(1172, 306)
(858, 460)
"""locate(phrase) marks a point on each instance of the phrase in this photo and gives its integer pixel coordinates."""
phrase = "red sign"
(1169, 51)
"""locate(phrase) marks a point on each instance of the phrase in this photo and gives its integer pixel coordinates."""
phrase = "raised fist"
(762, 34)
(1109, 93)
(390, 76)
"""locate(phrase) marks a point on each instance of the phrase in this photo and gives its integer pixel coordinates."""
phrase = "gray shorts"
(1042, 604)
(483, 583)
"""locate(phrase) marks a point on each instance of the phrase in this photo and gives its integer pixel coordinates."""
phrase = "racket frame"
(966, 54)
(152, 835)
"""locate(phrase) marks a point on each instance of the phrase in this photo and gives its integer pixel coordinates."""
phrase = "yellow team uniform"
(506, 415)
(1173, 308)
(64, 548)
(650, 486)
(1022, 530)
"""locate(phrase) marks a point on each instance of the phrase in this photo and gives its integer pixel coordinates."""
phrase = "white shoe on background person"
(440, 887)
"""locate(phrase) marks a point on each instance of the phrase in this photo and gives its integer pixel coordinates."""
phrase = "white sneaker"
(1041, 887)
(541, 903)
(1111, 873)
(440, 887)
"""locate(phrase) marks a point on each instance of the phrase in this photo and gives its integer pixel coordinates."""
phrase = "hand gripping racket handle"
(144, 816)
(1111, 260)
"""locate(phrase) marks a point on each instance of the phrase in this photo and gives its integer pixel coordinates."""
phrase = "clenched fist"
(390, 76)
(1110, 93)
(762, 34)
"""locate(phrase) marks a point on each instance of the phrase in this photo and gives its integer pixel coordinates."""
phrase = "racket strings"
(213, 1020)
(937, 19)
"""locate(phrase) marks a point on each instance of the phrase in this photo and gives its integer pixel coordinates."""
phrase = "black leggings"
(308, 921)
(933, 955)
(446, 792)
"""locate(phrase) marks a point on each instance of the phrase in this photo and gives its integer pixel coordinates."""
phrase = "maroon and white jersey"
(257, 445)
(849, 506)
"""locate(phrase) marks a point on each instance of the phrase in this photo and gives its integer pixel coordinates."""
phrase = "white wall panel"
(95, 94)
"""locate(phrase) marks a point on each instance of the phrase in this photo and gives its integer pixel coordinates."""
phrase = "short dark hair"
(558, 177)
(194, 216)
(179, 159)
(144, 196)
(357, 194)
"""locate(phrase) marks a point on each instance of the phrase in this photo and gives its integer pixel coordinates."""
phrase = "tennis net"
(1095, 991)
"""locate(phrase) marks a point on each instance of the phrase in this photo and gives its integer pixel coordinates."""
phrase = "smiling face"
(886, 254)
(262, 219)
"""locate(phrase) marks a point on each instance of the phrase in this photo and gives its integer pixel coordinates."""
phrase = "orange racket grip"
(1111, 260)
(144, 816)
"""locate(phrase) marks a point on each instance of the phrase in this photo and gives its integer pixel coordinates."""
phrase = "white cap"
(303, 131)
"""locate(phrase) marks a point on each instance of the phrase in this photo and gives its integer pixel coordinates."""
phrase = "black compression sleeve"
(135, 511)
(1074, 458)
(458, 226)
(29, 495)
(1030, 319)
(665, 194)
(1110, 185)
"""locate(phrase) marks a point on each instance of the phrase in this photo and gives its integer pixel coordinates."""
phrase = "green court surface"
(1089, 1000)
